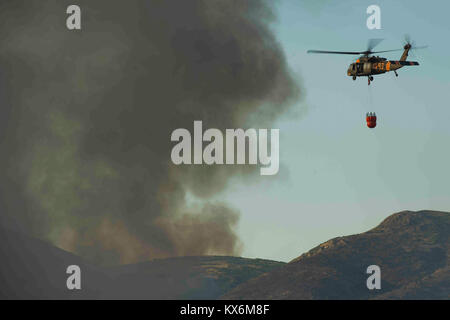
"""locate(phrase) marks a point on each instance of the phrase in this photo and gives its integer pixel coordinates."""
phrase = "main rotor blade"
(334, 52)
(372, 43)
(420, 47)
(387, 51)
(412, 48)
(407, 38)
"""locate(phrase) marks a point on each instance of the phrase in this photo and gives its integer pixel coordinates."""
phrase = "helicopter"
(368, 65)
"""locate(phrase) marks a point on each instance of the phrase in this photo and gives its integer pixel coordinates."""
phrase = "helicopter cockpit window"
(353, 67)
(359, 67)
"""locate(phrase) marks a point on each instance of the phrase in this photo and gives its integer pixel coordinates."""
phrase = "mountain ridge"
(35, 269)
(411, 248)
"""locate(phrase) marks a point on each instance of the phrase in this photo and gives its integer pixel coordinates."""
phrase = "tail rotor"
(411, 44)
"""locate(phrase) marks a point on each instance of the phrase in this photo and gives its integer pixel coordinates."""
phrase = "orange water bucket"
(371, 119)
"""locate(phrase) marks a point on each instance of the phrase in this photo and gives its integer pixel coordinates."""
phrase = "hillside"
(34, 269)
(411, 248)
(206, 277)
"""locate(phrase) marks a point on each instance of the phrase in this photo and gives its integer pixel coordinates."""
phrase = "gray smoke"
(86, 118)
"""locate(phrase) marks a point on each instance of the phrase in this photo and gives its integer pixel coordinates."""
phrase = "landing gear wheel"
(354, 78)
(371, 78)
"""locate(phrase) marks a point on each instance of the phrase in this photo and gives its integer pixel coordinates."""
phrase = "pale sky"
(337, 177)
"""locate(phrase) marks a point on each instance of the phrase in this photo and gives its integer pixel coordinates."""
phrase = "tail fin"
(405, 53)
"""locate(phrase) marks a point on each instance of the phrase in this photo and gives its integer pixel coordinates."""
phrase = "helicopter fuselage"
(367, 66)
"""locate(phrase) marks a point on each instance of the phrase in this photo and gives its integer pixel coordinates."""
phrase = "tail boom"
(399, 63)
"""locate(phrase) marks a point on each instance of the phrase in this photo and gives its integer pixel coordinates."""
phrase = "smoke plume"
(86, 118)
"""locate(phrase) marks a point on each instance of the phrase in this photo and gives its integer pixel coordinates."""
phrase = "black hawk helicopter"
(368, 65)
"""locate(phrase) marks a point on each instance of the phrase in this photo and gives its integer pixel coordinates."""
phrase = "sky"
(88, 165)
(337, 177)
